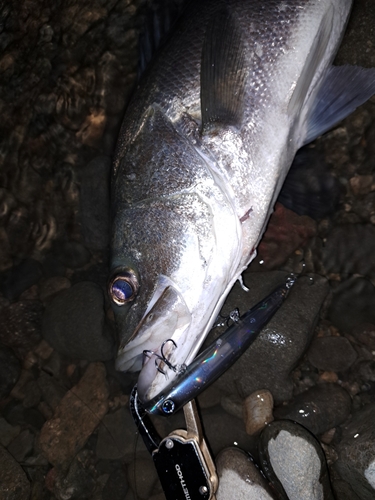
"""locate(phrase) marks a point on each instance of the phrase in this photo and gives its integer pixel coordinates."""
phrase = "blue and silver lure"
(219, 356)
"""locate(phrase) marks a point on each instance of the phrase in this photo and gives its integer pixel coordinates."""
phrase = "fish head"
(163, 285)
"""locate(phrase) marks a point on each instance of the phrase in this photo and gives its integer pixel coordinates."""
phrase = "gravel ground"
(67, 71)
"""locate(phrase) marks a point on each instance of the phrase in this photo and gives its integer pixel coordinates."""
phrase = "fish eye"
(123, 287)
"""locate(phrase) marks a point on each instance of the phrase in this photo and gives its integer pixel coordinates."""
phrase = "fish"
(204, 148)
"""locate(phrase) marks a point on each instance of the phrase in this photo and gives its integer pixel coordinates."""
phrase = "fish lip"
(167, 317)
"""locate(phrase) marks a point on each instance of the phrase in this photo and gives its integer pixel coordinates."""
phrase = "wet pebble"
(14, 484)
(269, 360)
(232, 404)
(8, 432)
(352, 303)
(50, 287)
(116, 435)
(238, 473)
(52, 390)
(74, 323)
(16, 414)
(294, 462)
(331, 354)
(356, 453)
(10, 370)
(142, 477)
(19, 278)
(76, 417)
(21, 325)
(286, 232)
(258, 411)
(116, 485)
(318, 409)
(32, 394)
(223, 430)
(72, 254)
(365, 333)
(94, 202)
(343, 254)
(80, 480)
(22, 445)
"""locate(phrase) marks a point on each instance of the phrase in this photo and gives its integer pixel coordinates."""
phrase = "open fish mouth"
(166, 318)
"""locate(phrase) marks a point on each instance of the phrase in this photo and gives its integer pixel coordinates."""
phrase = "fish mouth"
(162, 332)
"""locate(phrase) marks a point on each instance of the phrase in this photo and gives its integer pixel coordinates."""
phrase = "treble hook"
(162, 357)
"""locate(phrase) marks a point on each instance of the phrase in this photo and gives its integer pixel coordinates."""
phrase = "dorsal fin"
(223, 74)
(159, 20)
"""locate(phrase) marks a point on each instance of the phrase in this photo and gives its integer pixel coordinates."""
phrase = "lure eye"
(123, 287)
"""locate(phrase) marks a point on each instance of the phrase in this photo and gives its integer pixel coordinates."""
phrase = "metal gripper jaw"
(183, 462)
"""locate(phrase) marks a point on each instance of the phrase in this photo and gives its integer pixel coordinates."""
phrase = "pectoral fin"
(223, 73)
(344, 89)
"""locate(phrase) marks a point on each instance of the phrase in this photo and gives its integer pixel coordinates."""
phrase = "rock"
(21, 325)
(142, 476)
(19, 278)
(10, 370)
(258, 408)
(22, 445)
(286, 232)
(352, 303)
(50, 287)
(72, 254)
(343, 491)
(269, 360)
(342, 253)
(74, 323)
(14, 484)
(365, 333)
(94, 202)
(210, 397)
(116, 485)
(331, 353)
(294, 462)
(80, 480)
(237, 473)
(356, 453)
(52, 390)
(8, 432)
(52, 266)
(318, 409)
(16, 414)
(116, 435)
(76, 417)
(33, 394)
(233, 405)
(222, 430)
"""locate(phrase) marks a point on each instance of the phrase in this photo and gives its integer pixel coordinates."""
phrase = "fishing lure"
(219, 356)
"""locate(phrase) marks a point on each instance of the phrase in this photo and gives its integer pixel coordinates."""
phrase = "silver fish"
(204, 148)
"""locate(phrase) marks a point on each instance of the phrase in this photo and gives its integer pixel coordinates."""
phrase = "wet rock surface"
(87, 402)
(294, 462)
(319, 409)
(74, 323)
(332, 354)
(14, 484)
(356, 453)
(65, 427)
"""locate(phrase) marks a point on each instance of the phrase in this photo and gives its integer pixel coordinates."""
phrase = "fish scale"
(202, 154)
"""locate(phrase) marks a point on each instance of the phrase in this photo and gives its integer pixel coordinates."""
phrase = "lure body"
(217, 358)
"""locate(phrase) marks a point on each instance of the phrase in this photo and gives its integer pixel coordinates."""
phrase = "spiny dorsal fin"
(223, 74)
(159, 20)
